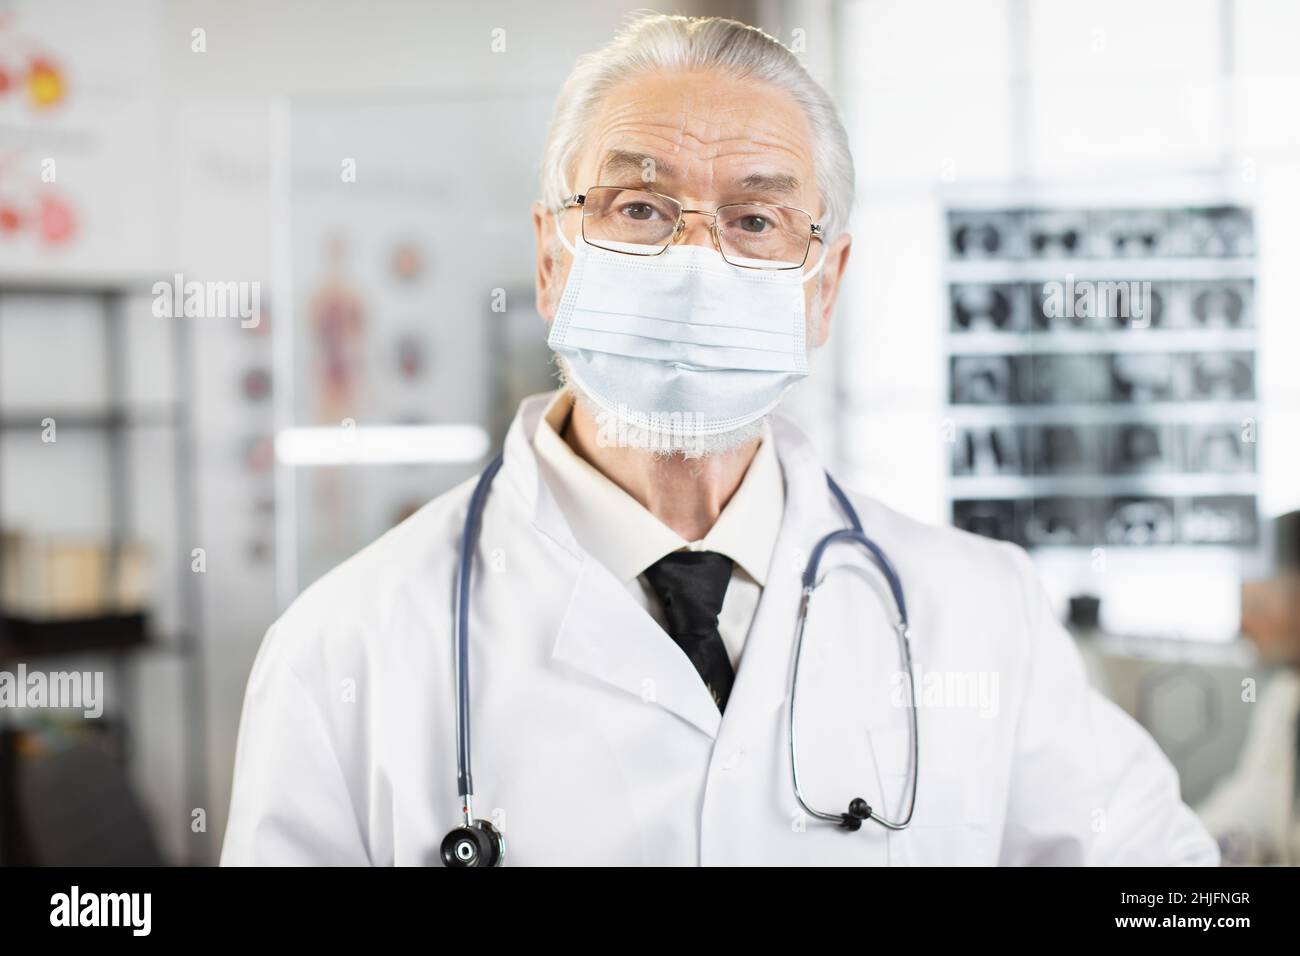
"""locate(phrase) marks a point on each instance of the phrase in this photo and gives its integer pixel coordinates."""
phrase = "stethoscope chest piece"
(476, 844)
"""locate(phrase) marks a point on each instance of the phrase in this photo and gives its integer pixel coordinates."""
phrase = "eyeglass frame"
(815, 231)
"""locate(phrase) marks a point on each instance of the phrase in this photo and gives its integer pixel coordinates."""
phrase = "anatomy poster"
(79, 141)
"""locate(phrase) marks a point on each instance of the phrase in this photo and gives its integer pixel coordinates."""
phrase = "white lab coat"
(596, 742)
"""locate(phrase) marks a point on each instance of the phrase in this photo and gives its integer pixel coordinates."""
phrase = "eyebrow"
(626, 161)
(770, 183)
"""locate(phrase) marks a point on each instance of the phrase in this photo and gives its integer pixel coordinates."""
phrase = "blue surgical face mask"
(682, 343)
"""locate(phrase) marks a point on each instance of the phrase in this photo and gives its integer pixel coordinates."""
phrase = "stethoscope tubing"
(854, 534)
(468, 540)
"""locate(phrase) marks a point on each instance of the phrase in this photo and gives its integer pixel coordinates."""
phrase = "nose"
(696, 229)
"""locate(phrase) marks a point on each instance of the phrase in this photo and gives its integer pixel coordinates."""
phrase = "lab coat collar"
(640, 659)
(762, 679)
(805, 474)
(800, 469)
(520, 469)
(615, 528)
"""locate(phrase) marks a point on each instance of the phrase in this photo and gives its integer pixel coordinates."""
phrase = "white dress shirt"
(615, 529)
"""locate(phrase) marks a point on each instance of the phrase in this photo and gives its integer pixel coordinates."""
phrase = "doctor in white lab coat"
(633, 612)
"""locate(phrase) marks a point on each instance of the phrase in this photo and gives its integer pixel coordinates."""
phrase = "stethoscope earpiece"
(477, 844)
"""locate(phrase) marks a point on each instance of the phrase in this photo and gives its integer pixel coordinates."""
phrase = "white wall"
(1141, 101)
(197, 151)
(931, 104)
(219, 107)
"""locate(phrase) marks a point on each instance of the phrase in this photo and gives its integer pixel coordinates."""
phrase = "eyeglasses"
(639, 222)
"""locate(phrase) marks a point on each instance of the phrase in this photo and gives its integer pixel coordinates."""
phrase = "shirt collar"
(618, 531)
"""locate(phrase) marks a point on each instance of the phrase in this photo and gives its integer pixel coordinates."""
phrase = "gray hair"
(659, 42)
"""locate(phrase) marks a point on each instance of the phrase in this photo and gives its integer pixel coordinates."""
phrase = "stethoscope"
(477, 842)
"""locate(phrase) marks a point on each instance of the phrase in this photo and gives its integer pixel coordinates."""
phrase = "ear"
(548, 269)
(837, 258)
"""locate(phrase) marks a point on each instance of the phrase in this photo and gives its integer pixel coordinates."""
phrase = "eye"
(754, 223)
(639, 210)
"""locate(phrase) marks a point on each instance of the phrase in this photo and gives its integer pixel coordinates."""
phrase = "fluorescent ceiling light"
(381, 445)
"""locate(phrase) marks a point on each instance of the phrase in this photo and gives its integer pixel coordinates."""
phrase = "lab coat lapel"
(520, 469)
(763, 676)
(605, 634)
(608, 636)
(836, 757)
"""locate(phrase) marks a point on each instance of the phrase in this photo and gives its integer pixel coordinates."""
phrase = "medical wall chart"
(409, 295)
(78, 139)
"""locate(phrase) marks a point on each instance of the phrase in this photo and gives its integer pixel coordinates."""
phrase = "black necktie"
(690, 586)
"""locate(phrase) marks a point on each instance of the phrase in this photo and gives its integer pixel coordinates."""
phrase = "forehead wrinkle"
(698, 139)
(710, 135)
(704, 117)
(677, 143)
(717, 171)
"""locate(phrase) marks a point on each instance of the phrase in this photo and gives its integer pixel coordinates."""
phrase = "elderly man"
(677, 641)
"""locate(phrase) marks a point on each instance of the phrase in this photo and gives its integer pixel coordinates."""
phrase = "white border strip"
(380, 445)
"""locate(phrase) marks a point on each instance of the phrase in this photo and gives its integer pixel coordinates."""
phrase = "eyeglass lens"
(641, 222)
